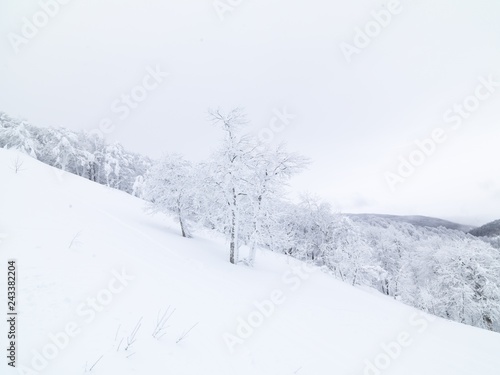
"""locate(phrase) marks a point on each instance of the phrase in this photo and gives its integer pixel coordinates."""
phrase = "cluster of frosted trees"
(445, 272)
(234, 192)
(240, 191)
(82, 153)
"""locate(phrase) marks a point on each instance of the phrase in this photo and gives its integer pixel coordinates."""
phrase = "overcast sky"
(353, 119)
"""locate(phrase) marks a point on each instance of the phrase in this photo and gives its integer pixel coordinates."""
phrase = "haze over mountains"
(353, 119)
(20, 134)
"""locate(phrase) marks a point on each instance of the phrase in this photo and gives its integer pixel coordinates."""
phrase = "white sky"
(353, 120)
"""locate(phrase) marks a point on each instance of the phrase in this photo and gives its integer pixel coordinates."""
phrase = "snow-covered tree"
(231, 167)
(17, 135)
(270, 173)
(170, 186)
(246, 179)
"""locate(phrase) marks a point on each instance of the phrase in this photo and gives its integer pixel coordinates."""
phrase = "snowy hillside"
(488, 230)
(96, 274)
(419, 221)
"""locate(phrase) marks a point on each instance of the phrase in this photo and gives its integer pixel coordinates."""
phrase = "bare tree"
(17, 164)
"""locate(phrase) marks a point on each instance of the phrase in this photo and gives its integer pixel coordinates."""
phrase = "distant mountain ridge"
(488, 230)
(419, 221)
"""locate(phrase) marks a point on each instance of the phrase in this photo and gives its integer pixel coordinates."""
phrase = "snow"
(73, 238)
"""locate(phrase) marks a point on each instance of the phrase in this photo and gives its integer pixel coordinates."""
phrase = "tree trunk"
(256, 233)
(233, 247)
(488, 322)
(232, 244)
(251, 255)
(184, 228)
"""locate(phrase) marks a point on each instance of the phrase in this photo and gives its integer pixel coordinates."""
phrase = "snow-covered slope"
(92, 263)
